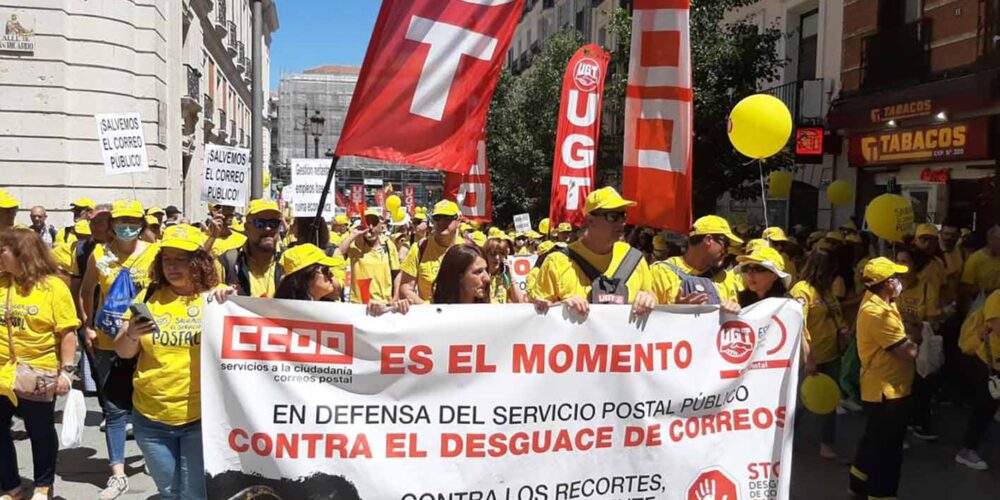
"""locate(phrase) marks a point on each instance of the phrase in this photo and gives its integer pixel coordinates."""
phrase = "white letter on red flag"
(472, 191)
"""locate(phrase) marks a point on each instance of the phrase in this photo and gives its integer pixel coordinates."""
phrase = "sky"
(317, 32)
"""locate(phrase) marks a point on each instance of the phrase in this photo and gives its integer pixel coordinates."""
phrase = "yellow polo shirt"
(823, 317)
(425, 267)
(983, 270)
(35, 318)
(560, 277)
(953, 262)
(880, 327)
(971, 340)
(920, 302)
(375, 263)
(666, 283)
(262, 279)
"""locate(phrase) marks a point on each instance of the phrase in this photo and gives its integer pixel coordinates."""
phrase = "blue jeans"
(115, 418)
(174, 457)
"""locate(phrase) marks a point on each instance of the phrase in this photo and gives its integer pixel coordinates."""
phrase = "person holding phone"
(373, 260)
(166, 337)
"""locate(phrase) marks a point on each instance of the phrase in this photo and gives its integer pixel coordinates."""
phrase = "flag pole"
(322, 198)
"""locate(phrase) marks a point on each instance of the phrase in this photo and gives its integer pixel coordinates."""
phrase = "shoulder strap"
(420, 251)
(676, 270)
(66, 232)
(588, 269)
(53, 232)
(627, 265)
(279, 272)
(148, 294)
(6, 319)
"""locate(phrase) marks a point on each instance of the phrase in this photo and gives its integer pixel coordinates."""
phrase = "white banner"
(308, 178)
(123, 147)
(226, 179)
(520, 268)
(498, 402)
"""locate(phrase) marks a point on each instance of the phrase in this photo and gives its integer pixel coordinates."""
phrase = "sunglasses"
(611, 217)
(443, 218)
(755, 269)
(266, 223)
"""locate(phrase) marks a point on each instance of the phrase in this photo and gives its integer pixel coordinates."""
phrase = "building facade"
(309, 112)
(542, 18)
(177, 63)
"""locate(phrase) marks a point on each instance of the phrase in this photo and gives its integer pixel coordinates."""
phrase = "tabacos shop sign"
(945, 142)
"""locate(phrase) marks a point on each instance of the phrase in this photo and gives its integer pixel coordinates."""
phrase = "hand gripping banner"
(498, 402)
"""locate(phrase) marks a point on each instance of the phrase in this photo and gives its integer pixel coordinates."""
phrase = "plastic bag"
(121, 294)
(930, 357)
(73, 419)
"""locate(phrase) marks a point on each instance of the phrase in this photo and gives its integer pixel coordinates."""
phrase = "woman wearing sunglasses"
(311, 275)
(764, 276)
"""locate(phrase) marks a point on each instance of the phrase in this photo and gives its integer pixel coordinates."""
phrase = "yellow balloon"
(890, 217)
(398, 214)
(392, 203)
(820, 394)
(543, 226)
(759, 126)
(779, 184)
(839, 193)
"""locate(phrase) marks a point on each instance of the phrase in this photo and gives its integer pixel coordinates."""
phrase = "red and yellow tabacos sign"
(945, 142)
(902, 110)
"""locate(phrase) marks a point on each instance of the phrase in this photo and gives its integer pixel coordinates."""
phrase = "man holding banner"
(697, 277)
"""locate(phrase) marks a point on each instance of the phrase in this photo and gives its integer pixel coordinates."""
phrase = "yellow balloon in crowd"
(779, 184)
(890, 217)
(392, 203)
(839, 193)
(820, 394)
(398, 214)
(759, 126)
(543, 226)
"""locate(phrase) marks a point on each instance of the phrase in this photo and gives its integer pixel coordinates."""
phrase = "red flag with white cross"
(427, 81)
(658, 116)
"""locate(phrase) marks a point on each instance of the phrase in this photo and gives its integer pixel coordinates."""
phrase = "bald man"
(47, 232)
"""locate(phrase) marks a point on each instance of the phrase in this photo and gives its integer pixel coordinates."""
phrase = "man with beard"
(373, 260)
(422, 263)
(253, 269)
(698, 277)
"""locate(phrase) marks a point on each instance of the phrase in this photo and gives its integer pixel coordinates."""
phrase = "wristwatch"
(70, 369)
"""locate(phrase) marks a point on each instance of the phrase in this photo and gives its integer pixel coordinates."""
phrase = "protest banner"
(123, 147)
(478, 401)
(357, 206)
(522, 223)
(226, 178)
(520, 268)
(308, 177)
(410, 198)
(578, 134)
(472, 191)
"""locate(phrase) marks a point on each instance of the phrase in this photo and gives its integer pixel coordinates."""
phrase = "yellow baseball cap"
(82, 227)
(606, 198)
(713, 224)
(237, 226)
(849, 225)
(478, 238)
(534, 235)
(152, 220)
(447, 208)
(261, 205)
(155, 210)
(545, 247)
(127, 208)
(84, 203)
(302, 256)
(341, 219)
(853, 238)
(465, 226)
(880, 269)
(183, 237)
(377, 212)
(755, 244)
(774, 234)
(769, 259)
(965, 231)
(564, 227)
(927, 230)
(7, 200)
(835, 236)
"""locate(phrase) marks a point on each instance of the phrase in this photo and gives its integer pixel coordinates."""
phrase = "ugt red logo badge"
(736, 341)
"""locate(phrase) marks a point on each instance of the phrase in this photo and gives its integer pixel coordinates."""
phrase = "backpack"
(604, 289)
(121, 294)
(696, 284)
(117, 385)
(236, 271)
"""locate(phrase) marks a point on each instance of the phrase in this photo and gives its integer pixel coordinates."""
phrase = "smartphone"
(141, 312)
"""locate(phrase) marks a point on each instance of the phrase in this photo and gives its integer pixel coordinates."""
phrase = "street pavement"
(929, 470)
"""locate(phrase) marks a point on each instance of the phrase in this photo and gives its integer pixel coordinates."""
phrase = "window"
(808, 45)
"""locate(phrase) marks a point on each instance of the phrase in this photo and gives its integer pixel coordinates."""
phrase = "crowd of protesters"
(868, 306)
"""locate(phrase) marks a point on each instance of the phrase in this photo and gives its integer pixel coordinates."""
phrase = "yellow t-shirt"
(65, 257)
(499, 288)
(667, 284)
(425, 267)
(971, 340)
(560, 277)
(790, 267)
(823, 318)
(982, 270)
(532, 280)
(953, 262)
(880, 327)
(336, 239)
(375, 263)
(223, 245)
(108, 267)
(35, 318)
(65, 239)
(262, 279)
(167, 377)
(920, 302)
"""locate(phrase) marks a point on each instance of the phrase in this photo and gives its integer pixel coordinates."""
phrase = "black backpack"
(605, 290)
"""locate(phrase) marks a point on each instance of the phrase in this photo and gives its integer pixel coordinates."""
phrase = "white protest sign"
(522, 223)
(308, 178)
(498, 402)
(226, 178)
(520, 268)
(123, 147)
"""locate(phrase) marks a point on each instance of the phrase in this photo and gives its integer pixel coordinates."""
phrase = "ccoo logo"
(587, 74)
(736, 341)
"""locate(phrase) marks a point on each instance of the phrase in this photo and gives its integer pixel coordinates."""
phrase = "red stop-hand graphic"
(713, 485)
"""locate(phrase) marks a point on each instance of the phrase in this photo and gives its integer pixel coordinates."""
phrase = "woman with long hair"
(309, 274)
(463, 277)
(503, 290)
(166, 402)
(39, 329)
(764, 276)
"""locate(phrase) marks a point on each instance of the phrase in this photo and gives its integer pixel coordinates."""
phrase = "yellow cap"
(768, 258)
(82, 227)
(755, 244)
(606, 198)
(446, 207)
(927, 230)
(545, 247)
(774, 234)
(965, 231)
(261, 205)
(183, 237)
(880, 269)
(152, 221)
(478, 238)
(84, 203)
(849, 225)
(564, 227)
(534, 235)
(237, 226)
(377, 212)
(992, 308)
(155, 210)
(465, 226)
(126, 208)
(835, 236)
(713, 224)
(302, 256)
(659, 243)
(7, 200)
(341, 219)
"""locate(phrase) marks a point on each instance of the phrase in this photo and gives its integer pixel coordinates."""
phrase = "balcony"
(232, 132)
(241, 60)
(221, 28)
(896, 55)
(231, 45)
(209, 107)
(190, 101)
(222, 125)
(804, 99)
(536, 47)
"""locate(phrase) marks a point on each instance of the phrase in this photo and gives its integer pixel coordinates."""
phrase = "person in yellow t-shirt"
(698, 276)
(82, 209)
(422, 263)
(826, 332)
(252, 270)
(8, 210)
(373, 260)
(981, 342)
(167, 383)
(953, 262)
(125, 251)
(39, 320)
(887, 368)
(563, 279)
(981, 273)
(221, 236)
(503, 290)
(543, 250)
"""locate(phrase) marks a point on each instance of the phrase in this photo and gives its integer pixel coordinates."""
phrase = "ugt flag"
(427, 81)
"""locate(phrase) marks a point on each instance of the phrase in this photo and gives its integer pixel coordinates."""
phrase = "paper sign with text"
(226, 178)
(123, 147)
(490, 401)
(522, 223)
(520, 268)
(308, 177)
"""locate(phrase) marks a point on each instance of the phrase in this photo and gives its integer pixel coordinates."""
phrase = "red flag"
(472, 191)
(658, 116)
(578, 134)
(357, 206)
(340, 199)
(427, 81)
(410, 199)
